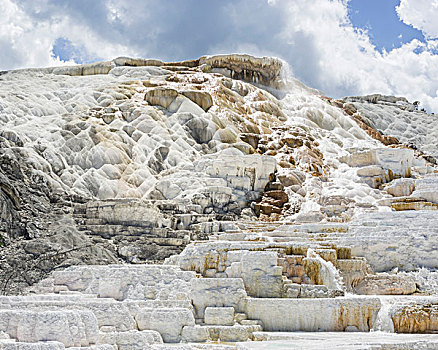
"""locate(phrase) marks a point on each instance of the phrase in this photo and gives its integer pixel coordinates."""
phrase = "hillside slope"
(131, 159)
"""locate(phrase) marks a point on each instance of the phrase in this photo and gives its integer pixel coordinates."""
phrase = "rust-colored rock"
(375, 134)
(262, 70)
(278, 195)
(251, 138)
(293, 142)
(161, 96)
(416, 319)
(294, 177)
(201, 98)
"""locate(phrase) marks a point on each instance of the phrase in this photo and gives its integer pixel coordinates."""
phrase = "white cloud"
(317, 39)
(421, 14)
(27, 35)
(344, 61)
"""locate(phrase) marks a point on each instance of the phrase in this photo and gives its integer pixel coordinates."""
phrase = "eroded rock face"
(161, 96)
(416, 319)
(9, 204)
(216, 292)
(201, 98)
(169, 323)
(265, 70)
(359, 313)
(426, 189)
(380, 166)
(71, 328)
(384, 284)
(401, 187)
(37, 230)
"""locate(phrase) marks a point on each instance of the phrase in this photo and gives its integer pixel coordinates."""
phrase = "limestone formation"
(426, 189)
(426, 319)
(161, 96)
(380, 166)
(217, 292)
(209, 202)
(266, 71)
(169, 323)
(385, 284)
(401, 187)
(202, 99)
(137, 306)
(339, 314)
(219, 316)
(396, 117)
(71, 328)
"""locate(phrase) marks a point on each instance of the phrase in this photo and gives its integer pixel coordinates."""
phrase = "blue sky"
(341, 47)
(380, 18)
(66, 50)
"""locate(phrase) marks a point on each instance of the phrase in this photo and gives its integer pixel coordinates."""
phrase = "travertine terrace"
(212, 203)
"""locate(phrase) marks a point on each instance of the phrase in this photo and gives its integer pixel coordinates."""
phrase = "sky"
(341, 47)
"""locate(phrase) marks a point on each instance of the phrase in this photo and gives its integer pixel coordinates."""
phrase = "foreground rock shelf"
(155, 304)
(310, 315)
(223, 290)
(342, 341)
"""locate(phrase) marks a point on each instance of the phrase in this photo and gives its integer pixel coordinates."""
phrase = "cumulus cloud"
(316, 38)
(345, 61)
(421, 14)
(29, 29)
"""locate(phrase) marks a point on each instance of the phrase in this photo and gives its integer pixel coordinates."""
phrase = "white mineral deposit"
(216, 203)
